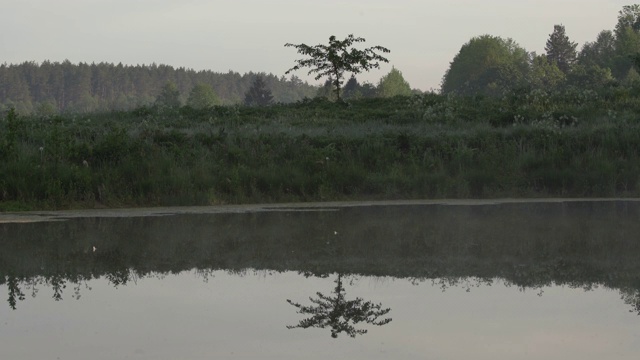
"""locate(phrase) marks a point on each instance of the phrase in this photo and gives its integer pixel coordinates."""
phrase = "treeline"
(62, 87)
(492, 65)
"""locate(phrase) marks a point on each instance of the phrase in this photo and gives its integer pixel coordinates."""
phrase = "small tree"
(202, 96)
(258, 94)
(394, 84)
(334, 59)
(169, 96)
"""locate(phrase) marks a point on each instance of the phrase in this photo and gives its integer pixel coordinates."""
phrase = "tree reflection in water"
(340, 314)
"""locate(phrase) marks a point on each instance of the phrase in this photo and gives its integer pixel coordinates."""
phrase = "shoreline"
(62, 215)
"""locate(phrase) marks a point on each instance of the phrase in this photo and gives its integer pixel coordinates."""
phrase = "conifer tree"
(258, 94)
(560, 50)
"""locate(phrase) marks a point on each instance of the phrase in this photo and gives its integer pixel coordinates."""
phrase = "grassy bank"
(531, 144)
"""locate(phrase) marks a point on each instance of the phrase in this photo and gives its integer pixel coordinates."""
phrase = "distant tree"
(352, 88)
(202, 96)
(258, 94)
(560, 50)
(393, 84)
(488, 65)
(327, 90)
(169, 96)
(600, 52)
(628, 19)
(368, 90)
(338, 57)
(46, 109)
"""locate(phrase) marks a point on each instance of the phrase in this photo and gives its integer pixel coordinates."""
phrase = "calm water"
(540, 280)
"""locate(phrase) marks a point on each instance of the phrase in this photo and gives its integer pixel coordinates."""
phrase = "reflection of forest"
(579, 244)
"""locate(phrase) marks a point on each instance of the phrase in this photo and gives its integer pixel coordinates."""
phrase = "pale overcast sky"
(248, 35)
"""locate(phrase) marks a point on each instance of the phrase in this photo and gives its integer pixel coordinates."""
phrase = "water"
(554, 280)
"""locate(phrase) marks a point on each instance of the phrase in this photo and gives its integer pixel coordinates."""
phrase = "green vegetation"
(570, 143)
(508, 123)
(491, 65)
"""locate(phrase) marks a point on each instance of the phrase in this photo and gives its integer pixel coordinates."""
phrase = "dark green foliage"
(258, 94)
(569, 142)
(560, 50)
(11, 133)
(169, 96)
(487, 65)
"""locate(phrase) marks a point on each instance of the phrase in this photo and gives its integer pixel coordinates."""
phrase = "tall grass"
(531, 144)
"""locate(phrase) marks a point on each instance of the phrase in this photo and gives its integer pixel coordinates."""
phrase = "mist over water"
(510, 280)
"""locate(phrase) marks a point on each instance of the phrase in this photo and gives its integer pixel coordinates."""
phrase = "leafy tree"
(627, 40)
(600, 52)
(334, 59)
(545, 74)
(486, 64)
(628, 18)
(393, 84)
(258, 94)
(202, 96)
(338, 313)
(169, 96)
(560, 50)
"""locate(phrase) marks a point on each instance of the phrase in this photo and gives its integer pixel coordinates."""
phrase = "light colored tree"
(393, 84)
(202, 96)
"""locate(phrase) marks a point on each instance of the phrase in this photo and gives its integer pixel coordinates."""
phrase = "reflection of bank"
(340, 314)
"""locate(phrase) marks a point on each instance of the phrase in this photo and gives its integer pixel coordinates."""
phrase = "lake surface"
(396, 280)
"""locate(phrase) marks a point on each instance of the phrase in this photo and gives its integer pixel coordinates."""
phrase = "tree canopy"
(486, 64)
(338, 57)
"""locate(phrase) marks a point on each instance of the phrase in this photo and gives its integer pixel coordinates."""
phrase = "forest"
(505, 123)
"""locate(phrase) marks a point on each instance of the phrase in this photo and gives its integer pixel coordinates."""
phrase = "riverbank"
(424, 147)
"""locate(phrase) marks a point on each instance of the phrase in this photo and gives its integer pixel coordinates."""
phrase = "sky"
(249, 35)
